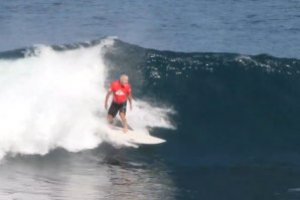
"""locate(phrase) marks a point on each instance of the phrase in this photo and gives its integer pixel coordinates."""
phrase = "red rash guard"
(121, 92)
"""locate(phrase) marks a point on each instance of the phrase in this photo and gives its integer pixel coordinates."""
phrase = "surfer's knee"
(122, 115)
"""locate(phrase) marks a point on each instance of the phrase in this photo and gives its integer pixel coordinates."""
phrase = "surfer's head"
(124, 79)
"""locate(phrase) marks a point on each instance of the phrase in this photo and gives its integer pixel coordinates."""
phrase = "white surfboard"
(135, 136)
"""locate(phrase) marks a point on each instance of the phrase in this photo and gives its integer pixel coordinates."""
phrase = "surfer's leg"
(110, 118)
(112, 112)
(124, 121)
(122, 113)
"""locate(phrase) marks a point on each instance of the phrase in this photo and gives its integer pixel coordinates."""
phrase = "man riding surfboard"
(121, 91)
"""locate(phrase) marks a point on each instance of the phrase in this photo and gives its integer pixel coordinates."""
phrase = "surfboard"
(134, 136)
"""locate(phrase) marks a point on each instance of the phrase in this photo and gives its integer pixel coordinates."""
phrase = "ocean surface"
(218, 80)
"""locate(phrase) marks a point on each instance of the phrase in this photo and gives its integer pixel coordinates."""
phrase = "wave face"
(226, 104)
(52, 97)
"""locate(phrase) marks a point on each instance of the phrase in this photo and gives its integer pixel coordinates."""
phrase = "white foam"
(49, 100)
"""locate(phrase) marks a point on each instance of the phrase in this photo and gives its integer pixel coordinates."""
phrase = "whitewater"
(55, 99)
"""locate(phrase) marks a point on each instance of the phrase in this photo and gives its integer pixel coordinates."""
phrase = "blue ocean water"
(229, 70)
(247, 26)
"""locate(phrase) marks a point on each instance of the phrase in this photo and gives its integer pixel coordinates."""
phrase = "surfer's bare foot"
(125, 130)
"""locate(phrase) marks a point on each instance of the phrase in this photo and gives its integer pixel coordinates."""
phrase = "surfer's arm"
(130, 101)
(107, 97)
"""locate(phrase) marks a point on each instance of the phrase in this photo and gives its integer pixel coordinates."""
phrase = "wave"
(220, 103)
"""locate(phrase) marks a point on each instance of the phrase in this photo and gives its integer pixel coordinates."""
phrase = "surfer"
(121, 91)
